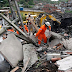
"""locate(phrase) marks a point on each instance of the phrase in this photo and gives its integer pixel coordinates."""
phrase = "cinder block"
(11, 49)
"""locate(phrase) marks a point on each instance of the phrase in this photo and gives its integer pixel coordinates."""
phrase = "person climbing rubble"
(41, 33)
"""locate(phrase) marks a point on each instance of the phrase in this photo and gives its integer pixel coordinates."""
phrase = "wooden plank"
(13, 70)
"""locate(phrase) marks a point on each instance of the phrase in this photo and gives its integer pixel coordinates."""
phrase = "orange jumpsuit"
(22, 29)
(11, 30)
(17, 32)
(26, 28)
(41, 34)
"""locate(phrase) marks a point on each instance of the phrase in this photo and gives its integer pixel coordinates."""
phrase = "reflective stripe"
(40, 29)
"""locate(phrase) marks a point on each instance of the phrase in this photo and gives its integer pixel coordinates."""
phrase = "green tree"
(30, 2)
(4, 3)
(22, 1)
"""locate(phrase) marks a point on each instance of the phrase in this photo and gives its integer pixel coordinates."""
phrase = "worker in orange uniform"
(41, 33)
(26, 28)
(17, 32)
(22, 29)
(11, 29)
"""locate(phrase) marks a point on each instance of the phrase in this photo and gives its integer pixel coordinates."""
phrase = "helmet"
(47, 23)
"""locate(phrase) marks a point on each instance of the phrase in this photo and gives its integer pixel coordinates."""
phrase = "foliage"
(23, 17)
(27, 3)
(22, 1)
(30, 2)
(4, 3)
(67, 11)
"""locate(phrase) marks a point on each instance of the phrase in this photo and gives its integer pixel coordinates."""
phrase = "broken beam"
(10, 22)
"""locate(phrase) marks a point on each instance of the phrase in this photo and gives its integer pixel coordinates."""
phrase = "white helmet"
(47, 23)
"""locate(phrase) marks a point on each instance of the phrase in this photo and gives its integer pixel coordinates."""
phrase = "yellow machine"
(42, 19)
(54, 19)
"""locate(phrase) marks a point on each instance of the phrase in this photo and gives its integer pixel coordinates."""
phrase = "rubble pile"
(21, 52)
(66, 22)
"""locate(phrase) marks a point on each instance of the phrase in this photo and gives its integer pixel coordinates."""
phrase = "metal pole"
(12, 10)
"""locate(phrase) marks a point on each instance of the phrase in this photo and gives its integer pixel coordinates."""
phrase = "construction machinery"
(47, 17)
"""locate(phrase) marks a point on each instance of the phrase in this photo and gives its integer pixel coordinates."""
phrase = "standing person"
(41, 33)
(30, 26)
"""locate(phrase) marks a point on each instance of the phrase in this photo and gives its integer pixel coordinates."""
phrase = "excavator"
(50, 17)
(40, 20)
(55, 23)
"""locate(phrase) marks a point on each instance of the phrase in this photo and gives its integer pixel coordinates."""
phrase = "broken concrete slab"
(68, 43)
(55, 35)
(11, 49)
(53, 55)
(54, 42)
(65, 63)
(29, 52)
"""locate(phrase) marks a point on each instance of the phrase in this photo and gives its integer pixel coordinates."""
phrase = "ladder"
(13, 4)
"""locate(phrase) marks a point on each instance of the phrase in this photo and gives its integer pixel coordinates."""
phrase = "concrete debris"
(29, 52)
(20, 49)
(52, 55)
(58, 46)
(11, 49)
(68, 43)
(65, 64)
(54, 42)
(55, 35)
(33, 38)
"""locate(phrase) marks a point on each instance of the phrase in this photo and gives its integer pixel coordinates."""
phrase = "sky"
(54, 0)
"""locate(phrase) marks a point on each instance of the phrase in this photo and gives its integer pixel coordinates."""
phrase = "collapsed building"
(21, 53)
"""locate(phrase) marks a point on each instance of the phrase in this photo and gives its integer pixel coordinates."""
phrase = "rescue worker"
(17, 32)
(11, 29)
(22, 29)
(26, 28)
(41, 33)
